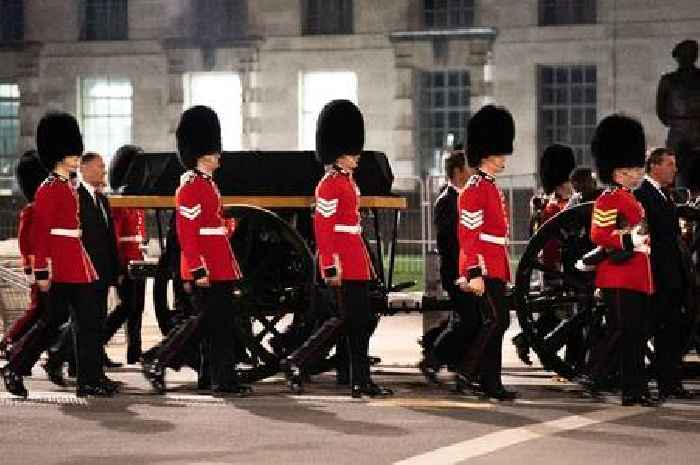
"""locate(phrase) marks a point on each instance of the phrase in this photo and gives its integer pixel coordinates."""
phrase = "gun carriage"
(270, 197)
(558, 309)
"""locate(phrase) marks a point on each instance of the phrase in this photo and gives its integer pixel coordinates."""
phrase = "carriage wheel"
(272, 297)
(557, 309)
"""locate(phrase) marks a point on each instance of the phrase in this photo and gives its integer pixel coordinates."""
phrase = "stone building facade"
(417, 68)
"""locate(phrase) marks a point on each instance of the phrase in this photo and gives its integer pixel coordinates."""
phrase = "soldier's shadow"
(117, 414)
(291, 410)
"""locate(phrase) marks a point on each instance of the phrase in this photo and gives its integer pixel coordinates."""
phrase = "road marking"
(425, 402)
(493, 442)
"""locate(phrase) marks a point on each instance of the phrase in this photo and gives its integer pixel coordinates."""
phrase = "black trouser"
(353, 319)
(78, 301)
(130, 310)
(461, 329)
(215, 325)
(668, 337)
(64, 348)
(627, 321)
(483, 357)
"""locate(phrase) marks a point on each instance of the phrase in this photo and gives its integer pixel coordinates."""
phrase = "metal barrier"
(14, 291)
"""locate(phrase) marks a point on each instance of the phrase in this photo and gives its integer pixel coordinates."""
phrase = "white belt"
(492, 239)
(218, 231)
(347, 228)
(644, 248)
(66, 232)
(131, 239)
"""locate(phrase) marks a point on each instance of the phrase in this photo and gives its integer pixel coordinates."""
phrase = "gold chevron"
(605, 213)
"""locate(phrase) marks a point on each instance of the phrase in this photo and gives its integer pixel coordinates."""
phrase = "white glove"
(639, 239)
(579, 265)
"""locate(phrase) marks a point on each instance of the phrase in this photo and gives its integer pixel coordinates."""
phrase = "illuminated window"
(104, 19)
(105, 112)
(317, 89)
(9, 127)
(222, 93)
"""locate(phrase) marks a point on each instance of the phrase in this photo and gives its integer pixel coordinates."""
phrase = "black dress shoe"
(523, 348)
(239, 390)
(155, 375)
(109, 363)
(54, 371)
(374, 360)
(370, 389)
(642, 400)
(99, 390)
(292, 373)
(466, 385)
(429, 371)
(13, 383)
(112, 384)
(501, 393)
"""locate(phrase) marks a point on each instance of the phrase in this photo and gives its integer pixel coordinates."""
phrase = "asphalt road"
(551, 423)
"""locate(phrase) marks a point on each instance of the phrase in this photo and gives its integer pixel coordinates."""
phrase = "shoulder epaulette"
(187, 177)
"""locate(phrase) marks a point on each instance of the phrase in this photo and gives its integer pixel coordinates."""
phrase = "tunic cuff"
(474, 272)
(199, 273)
(41, 275)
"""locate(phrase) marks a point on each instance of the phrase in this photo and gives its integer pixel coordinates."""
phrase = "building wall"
(630, 45)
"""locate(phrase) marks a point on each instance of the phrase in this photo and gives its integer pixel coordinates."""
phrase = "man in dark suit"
(100, 243)
(464, 319)
(667, 269)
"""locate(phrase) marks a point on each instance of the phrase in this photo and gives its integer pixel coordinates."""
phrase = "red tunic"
(56, 234)
(341, 249)
(551, 253)
(202, 231)
(617, 207)
(483, 230)
(24, 237)
(130, 231)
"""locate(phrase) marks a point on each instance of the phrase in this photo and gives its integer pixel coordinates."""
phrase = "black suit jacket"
(445, 218)
(98, 236)
(664, 232)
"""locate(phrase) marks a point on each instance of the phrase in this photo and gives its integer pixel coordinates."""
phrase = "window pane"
(562, 12)
(105, 19)
(327, 17)
(567, 111)
(445, 96)
(319, 88)
(448, 13)
(106, 114)
(11, 20)
(222, 92)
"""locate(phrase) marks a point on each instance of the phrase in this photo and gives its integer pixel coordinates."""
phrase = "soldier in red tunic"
(484, 266)
(130, 231)
(62, 268)
(30, 174)
(618, 225)
(556, 165)
(343, 258)
(207, 260)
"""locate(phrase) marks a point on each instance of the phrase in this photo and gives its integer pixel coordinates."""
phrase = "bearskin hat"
(198, 134)
(556, 165)
(120, 172)
(490, 131)
(30, 173)
(340, 130)
(618, 142)
(57, 137)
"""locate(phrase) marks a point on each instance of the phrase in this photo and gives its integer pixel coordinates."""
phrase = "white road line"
(493, 442)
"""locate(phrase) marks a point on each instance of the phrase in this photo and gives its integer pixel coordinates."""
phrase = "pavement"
(551, 423)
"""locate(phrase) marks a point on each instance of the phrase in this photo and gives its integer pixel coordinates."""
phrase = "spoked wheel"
(557, 309)
(271, 299)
